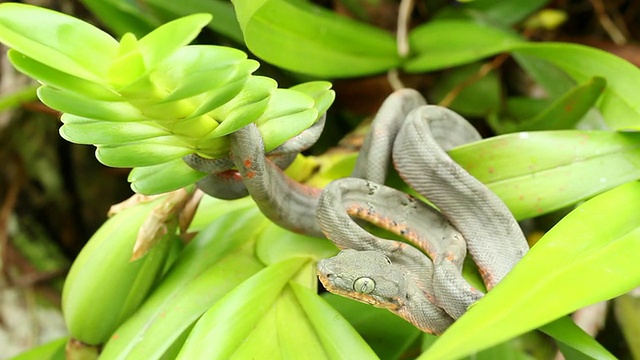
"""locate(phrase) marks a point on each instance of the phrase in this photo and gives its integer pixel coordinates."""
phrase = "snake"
(418, 277)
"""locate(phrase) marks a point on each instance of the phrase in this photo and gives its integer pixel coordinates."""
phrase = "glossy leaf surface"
(597, 243)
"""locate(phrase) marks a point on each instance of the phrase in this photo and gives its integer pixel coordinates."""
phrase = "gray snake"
(427, 290)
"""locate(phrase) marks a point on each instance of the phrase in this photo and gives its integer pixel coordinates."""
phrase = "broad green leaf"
(627, 313)
(564, 113)
(81, 130)
(552, 79)
(297, 338)
(53, 350)
(339, 338)
(214, 263)
(388, 335)
(529, 346)
(215, 98)
(53, 38)
(168, 38)
(306, 38)
(446, 43)
(76, 104)
(568, 334)
(276, 244)
(620, 102)
(196, 69)
(287, 114)
(161, 178)
(479, 98)
(152, 338)
(17, 98)
(49, 76)
(223, 328)
(285, 321)
(104, 286)
(320, 91)
(224, 18)
(589, 256)
(245, 107)
(505, 13)
(149, 152)
(122, 16)
(541, 171)
(211, 208)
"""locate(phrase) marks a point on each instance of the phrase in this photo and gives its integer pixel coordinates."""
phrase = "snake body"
(419, 279)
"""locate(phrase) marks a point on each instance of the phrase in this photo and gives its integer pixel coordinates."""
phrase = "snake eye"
(364, 285)
(388, 260)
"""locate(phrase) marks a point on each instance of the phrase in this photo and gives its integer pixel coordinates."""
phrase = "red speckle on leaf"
(568, 107)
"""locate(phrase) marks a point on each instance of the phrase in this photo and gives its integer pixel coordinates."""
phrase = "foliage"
(235, 288)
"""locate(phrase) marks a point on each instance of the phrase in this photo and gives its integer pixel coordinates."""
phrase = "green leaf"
(287, 114)
(446, 43)
(196, 69)
(161, 178)
(153, 151)
(538, 172)
(480, 98)
(104, 287)
(620, 102)
(339, 338)
(211, 208)
(168, 38)
(568, 334)
(554, 81)
(77, 104)
(530, 346)
(210, 266)
(17, 98)
(223, 329)
(81, 130)
(224, 18)
(53, 350)
(306, 38)
(47, 75)
(388, 335)
(320, 91)
(245, 107)
(564, 113)
(627, 311)
(276, 244)
(122, 16)
(589, 256)
(297, 336)
(61, 41)
(505, 13)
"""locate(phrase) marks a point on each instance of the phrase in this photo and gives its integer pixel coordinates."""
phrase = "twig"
(402, 39)
(607, 24)
(402, 32)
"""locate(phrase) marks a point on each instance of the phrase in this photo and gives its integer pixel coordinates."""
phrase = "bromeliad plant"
(146, 103)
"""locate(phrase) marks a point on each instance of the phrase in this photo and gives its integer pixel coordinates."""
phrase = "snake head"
(366, 276)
